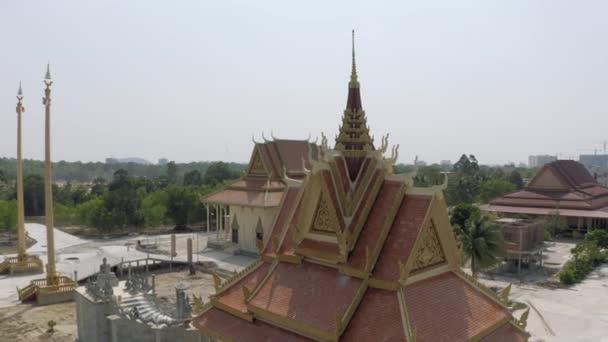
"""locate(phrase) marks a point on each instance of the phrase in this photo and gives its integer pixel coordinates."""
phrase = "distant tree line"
(122, 201)
(469, 182)
(85, 172)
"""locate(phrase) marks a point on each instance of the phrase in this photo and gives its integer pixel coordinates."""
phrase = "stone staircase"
(27, 292)
(147, 310)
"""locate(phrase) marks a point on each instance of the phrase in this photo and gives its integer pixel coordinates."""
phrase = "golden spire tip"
(48, 71)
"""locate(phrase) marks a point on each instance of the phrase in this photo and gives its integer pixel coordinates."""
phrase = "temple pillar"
(207, 211)
(189, 246)
(48, 189)
(20, 202)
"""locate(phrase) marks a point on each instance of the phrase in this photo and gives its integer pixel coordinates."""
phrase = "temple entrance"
(235, 236)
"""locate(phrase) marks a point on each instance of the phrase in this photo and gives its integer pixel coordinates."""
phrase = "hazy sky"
(193, 80)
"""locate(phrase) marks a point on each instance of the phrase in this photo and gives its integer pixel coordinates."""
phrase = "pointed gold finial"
(47, 77)
(353, 75)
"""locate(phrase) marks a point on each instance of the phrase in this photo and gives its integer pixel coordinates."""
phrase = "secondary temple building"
(353, 252)
(563, 188)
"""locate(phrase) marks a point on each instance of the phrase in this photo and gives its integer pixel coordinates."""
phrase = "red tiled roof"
(598, 213)
(342, 173)
(234, 296)
(240, 330)
(278, 155)
(320, 246)
(281, 223)
(370, 234)
(574, 172)
(447, 308)
(368, 196)
(378, 318)
(246, 197)
(309, 293)
(402, 236)
(506, 333)
(256, 183)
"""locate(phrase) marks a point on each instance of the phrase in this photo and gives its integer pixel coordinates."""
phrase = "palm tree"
(482, 242)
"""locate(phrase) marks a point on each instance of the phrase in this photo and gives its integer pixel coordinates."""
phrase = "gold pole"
(48, 189)
(21, 256)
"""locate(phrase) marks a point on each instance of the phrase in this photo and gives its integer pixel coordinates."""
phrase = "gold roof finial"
(353, 75)
(47, 77)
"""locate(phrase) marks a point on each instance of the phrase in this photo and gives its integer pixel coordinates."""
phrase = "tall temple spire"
(354, 82)
(354, 139)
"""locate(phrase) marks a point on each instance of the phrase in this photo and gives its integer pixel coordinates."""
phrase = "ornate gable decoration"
(257, 166)
(325, 218)
(429, 252)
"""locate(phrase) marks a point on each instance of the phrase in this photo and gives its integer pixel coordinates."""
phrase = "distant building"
(594, 161)
(524, 240)
(563, 188)
(540, 160)
(134, 160)
(163, 161)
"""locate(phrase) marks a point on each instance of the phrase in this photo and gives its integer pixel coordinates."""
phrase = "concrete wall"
(247, 218)
(55, 298)
(127, 330)
(91, 319)
(97, 322)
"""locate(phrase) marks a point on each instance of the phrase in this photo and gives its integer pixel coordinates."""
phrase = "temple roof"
(561, 185)
(354, 253)
(264, 182)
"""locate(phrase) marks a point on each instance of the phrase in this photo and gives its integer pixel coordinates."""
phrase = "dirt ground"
(28, 323)
(200, 284)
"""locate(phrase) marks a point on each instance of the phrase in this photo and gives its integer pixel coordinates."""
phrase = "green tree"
(493, 188)
(122, 202)
(8, 216)
(172, 172)
(462, 213)
(481, 242)
(181, 203)
(33, 195)
(516, 179)
(599, 237)
(193, 177)
(219, 172)
(428, 176)
(153, 208)
(99, 187)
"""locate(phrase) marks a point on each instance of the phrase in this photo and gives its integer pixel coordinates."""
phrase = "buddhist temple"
(247, 207)
(356, 253)
(563, 188)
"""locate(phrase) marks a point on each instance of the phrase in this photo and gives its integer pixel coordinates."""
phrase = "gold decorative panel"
(429, 252)
(257, 166)
(325, 217)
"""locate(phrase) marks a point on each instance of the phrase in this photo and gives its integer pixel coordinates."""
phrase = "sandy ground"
(28, 323)
(577, 313)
